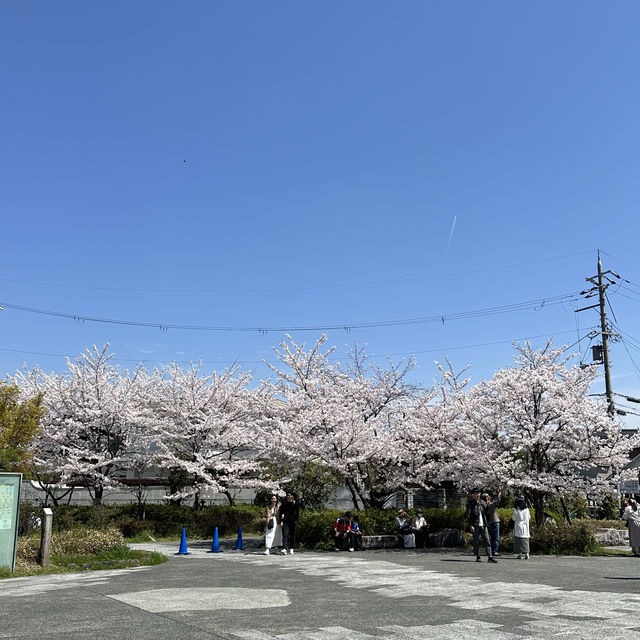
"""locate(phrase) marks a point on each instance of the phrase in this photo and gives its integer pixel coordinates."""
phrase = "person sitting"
(420, 529)
(356, 534)
(403, 530)
(342, 533)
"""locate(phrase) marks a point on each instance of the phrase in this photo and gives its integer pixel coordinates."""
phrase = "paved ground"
(392, 594)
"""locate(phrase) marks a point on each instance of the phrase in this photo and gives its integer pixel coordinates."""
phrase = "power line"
(633, 284)
(628, 297)
(619, 261)
(164, 326)
(635, 344)
(296, 289)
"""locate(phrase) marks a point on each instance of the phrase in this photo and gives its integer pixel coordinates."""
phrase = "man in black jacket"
(289, 514)
(477, 521)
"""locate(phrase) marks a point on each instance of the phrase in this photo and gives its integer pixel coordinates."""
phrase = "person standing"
(477, 520)
(521, 517)
(289, 515)
(632, 517)
(273, 531)
(493, 522)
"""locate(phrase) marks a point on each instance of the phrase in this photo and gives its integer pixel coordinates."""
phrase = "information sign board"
(9, 512)
(630, 486)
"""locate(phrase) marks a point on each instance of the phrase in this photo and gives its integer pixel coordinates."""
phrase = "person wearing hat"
(403, 529)
(420, 529)
(477, 520)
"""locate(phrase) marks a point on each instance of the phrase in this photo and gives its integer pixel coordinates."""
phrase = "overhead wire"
(626, 266)
(163, 326)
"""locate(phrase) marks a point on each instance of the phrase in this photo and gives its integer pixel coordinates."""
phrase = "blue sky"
(328, 148)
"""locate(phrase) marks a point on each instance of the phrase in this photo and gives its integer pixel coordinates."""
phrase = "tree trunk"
(538, 505)
(565, 510)
(227, 493)
(377, 498)
(354, 495)
(364, 500)
(97, 496)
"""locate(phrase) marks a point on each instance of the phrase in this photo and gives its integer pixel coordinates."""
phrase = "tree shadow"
(460, 560)
(619, 578)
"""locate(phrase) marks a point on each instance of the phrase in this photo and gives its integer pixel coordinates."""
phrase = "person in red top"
(342, 533)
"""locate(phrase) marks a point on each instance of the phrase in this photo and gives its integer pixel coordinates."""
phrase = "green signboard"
(9, 511)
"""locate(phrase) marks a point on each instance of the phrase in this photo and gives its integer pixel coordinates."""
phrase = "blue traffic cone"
(182, 551)
(215, 546)
(239, 543)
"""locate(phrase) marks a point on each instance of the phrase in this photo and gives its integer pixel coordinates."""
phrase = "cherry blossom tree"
(206, 428)
(430, 444)
(534, 428)
(95, 415)
(348, 418)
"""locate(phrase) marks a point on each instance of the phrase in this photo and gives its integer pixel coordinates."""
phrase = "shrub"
(376, 521)
(592, 525)
(563, 538)
(577, 506)
(28, 518)
(443, 518)
(314, 527)
(72, 542)
(161, 519)
(609, 507)
(262, 497)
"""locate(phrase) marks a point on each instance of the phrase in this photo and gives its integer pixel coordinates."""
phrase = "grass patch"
(120, 557)
(601, 551)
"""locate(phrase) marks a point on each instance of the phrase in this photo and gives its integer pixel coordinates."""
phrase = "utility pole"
(601, 286)
(605, 338)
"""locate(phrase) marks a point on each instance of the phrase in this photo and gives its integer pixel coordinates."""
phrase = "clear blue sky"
(328, 147)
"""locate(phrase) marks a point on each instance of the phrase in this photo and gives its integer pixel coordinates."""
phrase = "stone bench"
(379, 542)
(612, 537)
(446, 538)
(439, 538)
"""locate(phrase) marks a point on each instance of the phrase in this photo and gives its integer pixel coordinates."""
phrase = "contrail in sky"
(453, 226)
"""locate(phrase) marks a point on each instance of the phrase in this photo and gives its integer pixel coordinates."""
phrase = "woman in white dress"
(273, 530)
(632, 516)
(521, 517)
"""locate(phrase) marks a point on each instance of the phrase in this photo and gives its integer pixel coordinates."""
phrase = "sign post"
(9, 512)
(630, 487)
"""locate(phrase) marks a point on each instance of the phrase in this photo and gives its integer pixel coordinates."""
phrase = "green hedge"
(563, 538)
(160, 520)
(314, 528)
